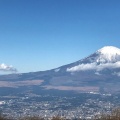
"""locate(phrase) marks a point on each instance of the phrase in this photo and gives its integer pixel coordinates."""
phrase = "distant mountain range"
(99, 72)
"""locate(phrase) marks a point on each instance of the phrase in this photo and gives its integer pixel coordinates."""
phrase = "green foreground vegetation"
(115, 115)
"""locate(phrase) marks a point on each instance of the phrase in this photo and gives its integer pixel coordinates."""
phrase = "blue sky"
(39, 35)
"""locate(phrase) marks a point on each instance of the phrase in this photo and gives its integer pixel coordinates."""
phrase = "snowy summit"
(111, 50)
(109, 54)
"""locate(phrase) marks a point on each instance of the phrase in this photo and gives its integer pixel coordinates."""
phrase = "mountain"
(96, 73)
(106, 57)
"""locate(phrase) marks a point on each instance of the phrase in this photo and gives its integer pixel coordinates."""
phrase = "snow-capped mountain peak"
(111, 50)
(108, 54)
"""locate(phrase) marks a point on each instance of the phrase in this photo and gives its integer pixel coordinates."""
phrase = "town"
(82, 105)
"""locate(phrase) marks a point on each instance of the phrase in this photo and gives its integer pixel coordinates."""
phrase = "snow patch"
(117, 73)
(57, 70)
(2, 102)
(97, 73)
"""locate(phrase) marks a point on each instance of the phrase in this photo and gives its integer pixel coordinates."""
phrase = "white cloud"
(82, 67)
(93, 66)
(8, 68)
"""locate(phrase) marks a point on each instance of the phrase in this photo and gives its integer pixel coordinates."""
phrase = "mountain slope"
(100, 70)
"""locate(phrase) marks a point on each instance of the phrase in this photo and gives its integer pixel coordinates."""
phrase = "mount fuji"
(106, 57)
(96, 73)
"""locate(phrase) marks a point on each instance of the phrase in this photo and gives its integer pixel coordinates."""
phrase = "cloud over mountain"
(93, 66)
(7, 68)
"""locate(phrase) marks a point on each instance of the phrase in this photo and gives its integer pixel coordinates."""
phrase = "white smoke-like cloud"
(93, 66)
(7, 68)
